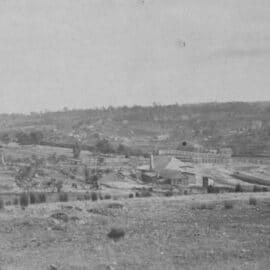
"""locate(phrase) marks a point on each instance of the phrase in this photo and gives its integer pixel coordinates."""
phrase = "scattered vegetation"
(212, 189)
(32, 198)
(238, 188)
(24, 201)
(76, 150)
(59, 186)
(203, 206)
(42, 198)
(131, 195)
(116, 233)
(100, 196)
(252, 201)
(87, 197)
(94, 196)
(115, 205)
(145, 193)
(228, 205)
(107, 196)
(63, 197)
(15, 201)
(260, 189)
(2, 204)
(168, 193)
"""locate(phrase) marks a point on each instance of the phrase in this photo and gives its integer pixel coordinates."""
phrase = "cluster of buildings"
(215, 156)
(168, 170)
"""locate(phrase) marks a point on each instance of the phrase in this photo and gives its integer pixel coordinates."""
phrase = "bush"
(107, 196)
(59, 185)
(203, 206)
(16, 201)
(131, 195)
(94, 196)
(24, 200)
(41, 198)
(116, 233)
(238, 188)
(145, 193)
(252, 201)
(87, 197)
(80, 198)
(2, 205)
(115, 205)
(212, 189)
(63, 197)
(33, 199)
(100, 196)
(260, 189)
(228, 205)
(168, 193)
(137, 194)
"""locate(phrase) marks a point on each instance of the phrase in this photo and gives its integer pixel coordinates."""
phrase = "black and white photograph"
(134, 134)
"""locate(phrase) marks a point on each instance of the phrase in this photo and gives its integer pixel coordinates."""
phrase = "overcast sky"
(91, 53)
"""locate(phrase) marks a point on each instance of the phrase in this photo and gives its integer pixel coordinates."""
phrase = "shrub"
(41, 198)
(238, 188)
(228, 204)
(107, 196)
(115, 205)
(203, 206)
(116, 233)
(168, 193)
(63, 197)
(131, 195)
(212, 189)
(100, 196)
(137, 194)
(2, 205)
(15, 201)
(252, 201)
(87, 197)
(24, 200)
(59, 185)
(94, 196)
(33, 199)
(260, 189)
(145, 193)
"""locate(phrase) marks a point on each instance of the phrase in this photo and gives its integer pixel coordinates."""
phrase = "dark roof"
(171, 174)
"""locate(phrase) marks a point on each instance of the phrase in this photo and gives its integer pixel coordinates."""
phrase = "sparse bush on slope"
(2, 204)
(116, 234)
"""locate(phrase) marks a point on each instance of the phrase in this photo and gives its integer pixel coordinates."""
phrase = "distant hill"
(245, 127)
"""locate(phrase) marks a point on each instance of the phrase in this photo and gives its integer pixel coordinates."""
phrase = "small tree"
(238, 188)
(2, 204)
(59, 186)
(76, 150)
(24, 179)
(24, 200)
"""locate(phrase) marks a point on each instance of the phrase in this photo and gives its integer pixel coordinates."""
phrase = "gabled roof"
(164, 162)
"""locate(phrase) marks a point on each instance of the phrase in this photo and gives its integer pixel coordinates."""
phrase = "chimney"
(151, 163)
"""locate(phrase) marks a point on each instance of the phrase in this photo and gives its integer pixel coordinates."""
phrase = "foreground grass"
(158, 234)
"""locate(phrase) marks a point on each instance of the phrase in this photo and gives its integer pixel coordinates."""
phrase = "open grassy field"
(225, 231)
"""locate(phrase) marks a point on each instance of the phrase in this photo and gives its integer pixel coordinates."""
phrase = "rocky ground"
(185, 232)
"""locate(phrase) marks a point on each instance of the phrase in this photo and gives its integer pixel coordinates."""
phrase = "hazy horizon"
(93, 53)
